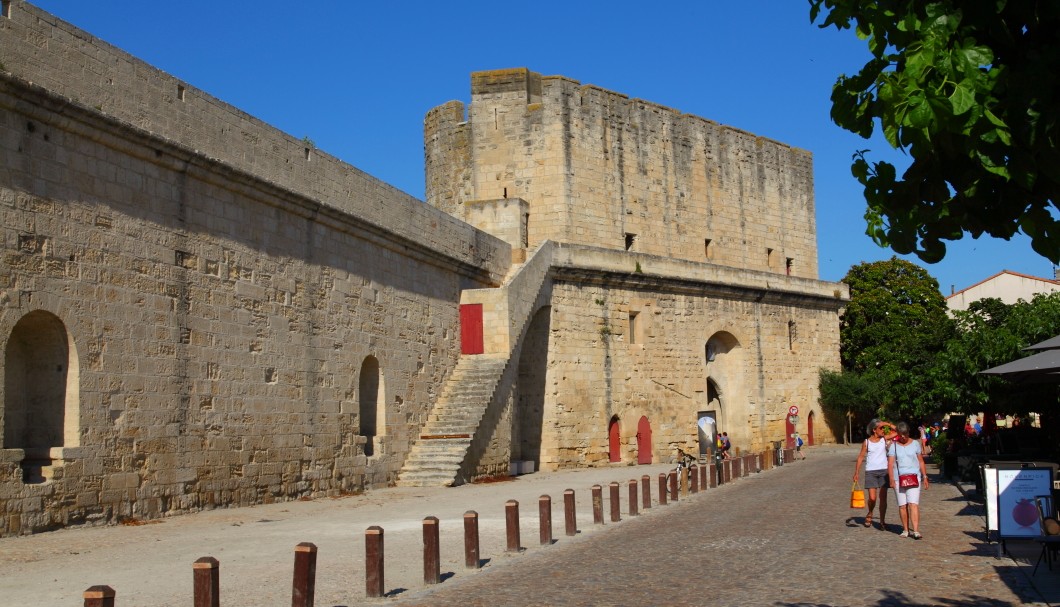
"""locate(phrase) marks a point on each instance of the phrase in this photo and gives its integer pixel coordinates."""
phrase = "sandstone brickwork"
(216, 314)
(602, 169)
(691, 234)
(198, 311)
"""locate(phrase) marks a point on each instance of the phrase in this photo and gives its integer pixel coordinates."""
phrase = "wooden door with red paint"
(614, 441)
(643, 441)
(809, 429)
(471, 341)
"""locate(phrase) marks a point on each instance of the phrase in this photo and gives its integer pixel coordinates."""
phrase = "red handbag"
(905, 481)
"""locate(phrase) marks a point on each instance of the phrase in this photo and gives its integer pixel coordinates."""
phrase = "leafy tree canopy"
(988, 335)
(970, 90)
(894, 325)
(849, 400)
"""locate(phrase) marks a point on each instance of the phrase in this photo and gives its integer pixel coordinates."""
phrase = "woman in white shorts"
(905, 457)
(874, 454)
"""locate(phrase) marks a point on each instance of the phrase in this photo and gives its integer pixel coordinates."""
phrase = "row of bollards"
(206, 570)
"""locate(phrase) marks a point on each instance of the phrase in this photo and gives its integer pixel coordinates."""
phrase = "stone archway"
(809, 428)
(722, 356)
(41, 393)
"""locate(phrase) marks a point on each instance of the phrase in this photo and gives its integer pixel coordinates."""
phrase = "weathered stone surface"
(197, 310)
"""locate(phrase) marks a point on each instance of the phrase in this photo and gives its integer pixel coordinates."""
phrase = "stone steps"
(436, 457)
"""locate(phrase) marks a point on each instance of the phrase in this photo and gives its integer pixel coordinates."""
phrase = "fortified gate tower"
(683, 274)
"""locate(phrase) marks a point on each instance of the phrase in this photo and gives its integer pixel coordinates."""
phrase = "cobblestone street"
(784, 537)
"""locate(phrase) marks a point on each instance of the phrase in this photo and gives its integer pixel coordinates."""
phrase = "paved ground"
(783, 537)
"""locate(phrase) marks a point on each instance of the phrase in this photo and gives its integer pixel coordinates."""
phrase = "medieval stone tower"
(197, 310)
(684, 283)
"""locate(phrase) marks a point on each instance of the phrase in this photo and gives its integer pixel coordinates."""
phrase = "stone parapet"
(86, 72)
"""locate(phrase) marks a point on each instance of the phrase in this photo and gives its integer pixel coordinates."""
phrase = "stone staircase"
(435, 458)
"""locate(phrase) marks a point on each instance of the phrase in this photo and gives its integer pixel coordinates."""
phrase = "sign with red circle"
(793, 410)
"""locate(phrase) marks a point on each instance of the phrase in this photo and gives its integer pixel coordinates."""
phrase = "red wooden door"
(614, 441)
(789, 431)
(471, 329)
(643, 441)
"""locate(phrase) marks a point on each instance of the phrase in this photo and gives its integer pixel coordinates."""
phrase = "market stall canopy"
(1053, 343)
(1041, 367)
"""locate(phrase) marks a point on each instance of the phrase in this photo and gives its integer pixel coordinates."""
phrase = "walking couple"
(893, 459)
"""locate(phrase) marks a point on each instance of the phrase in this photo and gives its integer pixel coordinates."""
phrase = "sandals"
(868, 521)
(904, 533)
(915, 535)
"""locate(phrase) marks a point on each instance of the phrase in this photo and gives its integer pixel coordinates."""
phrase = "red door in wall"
(471, 329)
(643, 441)
(614, 441)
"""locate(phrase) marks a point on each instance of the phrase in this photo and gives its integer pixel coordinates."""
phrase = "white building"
(1006, 285)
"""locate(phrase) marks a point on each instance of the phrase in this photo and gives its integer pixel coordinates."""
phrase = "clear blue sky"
(358, 78)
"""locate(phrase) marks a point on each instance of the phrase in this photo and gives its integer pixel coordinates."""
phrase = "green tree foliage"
(970, 90)
(849, 401)
(895, 324)
(989, 334)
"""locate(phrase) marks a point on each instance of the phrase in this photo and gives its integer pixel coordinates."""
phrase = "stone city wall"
(229, 327)
(89, 72)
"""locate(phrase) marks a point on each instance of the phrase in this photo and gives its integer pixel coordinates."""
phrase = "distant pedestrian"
(726, 445)
(904, 458)
(798, 447)
(874, 454)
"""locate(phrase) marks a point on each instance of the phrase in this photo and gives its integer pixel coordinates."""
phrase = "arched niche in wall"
(41, 396)
(371, 404)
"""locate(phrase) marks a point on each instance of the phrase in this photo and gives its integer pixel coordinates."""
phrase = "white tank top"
(876, 455)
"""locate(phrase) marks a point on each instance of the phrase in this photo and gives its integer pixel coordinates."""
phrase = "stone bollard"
(673, 487)
(693, 478)
(662, 489)
(99, 596)
(683, 479)
(645, 491)
(544, 512)
(207, 582)
(616, 505)
(570, 519)
(598, 505)
(726, 470)
(511, 522)
(303, 588)
(737, 467)
(471, 551)
(703, 476)
(633, 497)
(373, 562)
(432, 563)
